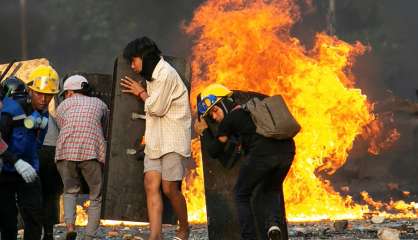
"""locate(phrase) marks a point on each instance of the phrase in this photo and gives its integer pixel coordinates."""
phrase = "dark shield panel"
(124, 195)
(101, 87)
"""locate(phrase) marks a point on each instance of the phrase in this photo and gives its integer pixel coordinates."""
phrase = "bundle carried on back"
(272, 117)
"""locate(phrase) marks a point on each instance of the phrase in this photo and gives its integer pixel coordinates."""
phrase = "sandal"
(182, 235)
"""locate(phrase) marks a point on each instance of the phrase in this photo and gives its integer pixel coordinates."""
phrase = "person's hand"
(26, 171)
(200, 126)
(131, 86)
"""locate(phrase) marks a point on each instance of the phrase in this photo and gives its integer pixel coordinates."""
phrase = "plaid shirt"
(168, 116)
(81, 135)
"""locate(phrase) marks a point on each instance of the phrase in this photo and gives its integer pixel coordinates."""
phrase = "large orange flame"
(246, 45)
(193, 188)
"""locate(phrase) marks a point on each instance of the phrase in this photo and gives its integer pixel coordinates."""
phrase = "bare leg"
(152, 183)
(172, 191)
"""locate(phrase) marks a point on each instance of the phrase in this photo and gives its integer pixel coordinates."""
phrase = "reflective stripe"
(19, 117)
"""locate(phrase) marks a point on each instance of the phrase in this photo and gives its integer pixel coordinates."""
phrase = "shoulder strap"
(250, 104)
(237, 107)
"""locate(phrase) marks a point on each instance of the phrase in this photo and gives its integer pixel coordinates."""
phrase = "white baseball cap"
(74, 82)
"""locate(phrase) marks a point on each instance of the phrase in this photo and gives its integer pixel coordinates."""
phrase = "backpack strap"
(245, 105)
(237, 107)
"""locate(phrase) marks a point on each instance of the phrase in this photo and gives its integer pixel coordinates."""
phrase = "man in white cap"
(80, 150)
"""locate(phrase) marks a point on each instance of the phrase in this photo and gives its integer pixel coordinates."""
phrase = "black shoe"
(274, 233)
(48, 236)
(71, 236)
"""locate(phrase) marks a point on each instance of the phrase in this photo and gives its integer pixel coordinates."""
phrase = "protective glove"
(26, 171)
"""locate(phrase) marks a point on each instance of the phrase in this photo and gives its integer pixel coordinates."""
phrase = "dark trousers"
(265, 173)
(28, 197)
(51, 189)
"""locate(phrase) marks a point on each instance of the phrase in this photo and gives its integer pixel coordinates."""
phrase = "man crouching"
(80, 151)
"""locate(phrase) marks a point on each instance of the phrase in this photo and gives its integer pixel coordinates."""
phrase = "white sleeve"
(159, 102)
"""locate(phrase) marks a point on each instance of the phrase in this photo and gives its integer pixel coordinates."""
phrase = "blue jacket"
(24, 143)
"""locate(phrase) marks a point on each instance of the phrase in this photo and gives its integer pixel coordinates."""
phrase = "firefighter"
(23, 125)
(267, 161)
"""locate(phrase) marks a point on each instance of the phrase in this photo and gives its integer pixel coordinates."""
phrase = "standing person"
(167, 133)
(80, 151)
(50, 179)
(23, 125)
(267, 160)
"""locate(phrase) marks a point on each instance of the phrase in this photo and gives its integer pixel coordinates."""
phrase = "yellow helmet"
(44, 79)
(210, 96)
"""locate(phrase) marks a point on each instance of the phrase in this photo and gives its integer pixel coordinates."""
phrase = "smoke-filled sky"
(87, 35)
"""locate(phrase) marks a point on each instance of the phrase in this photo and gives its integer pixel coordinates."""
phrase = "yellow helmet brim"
(43, 91)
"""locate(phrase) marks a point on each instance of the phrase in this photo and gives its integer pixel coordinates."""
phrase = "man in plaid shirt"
(80, 150)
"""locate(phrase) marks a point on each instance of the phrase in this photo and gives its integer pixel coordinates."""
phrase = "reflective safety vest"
(24, 142)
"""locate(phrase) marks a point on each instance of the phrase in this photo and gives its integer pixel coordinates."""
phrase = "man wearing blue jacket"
(23, 125)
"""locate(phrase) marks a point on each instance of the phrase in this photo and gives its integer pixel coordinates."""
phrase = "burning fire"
(82, 218)
(246, 45)
(380, 141)
(193, 188)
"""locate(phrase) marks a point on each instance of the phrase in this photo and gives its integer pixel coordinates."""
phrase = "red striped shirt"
(81, 135)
